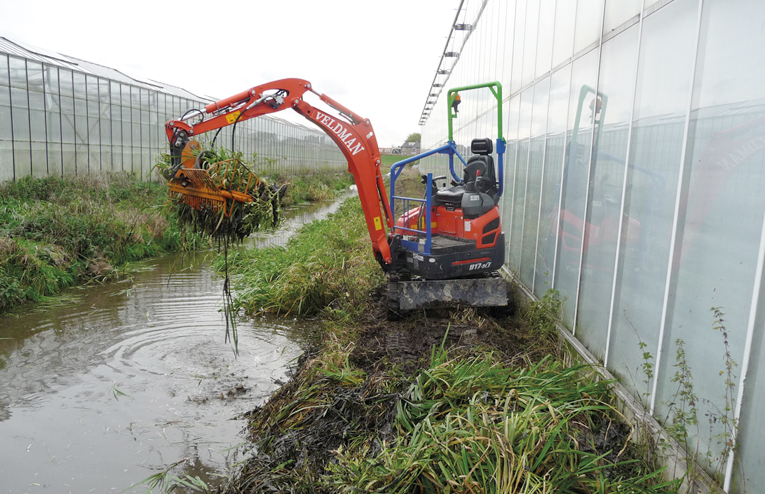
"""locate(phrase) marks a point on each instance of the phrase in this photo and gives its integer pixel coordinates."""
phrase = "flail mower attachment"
(212, 186)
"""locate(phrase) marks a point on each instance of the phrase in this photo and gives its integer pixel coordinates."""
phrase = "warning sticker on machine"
(378, 223)
(231, 117)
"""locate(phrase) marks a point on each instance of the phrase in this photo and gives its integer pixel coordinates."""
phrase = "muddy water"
(107, 385)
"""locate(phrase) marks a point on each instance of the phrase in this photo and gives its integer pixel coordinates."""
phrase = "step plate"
(427, 294)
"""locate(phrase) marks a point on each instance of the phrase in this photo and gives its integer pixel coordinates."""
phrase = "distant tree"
(414, 137)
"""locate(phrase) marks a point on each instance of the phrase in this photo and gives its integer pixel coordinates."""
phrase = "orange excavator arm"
(353, 135)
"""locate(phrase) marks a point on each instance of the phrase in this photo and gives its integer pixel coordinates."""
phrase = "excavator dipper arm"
(352, 134)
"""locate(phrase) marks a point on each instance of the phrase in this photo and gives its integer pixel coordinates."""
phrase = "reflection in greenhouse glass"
(534, 182)
(522, 157)
(616, 86)
(575, 179)
(554, 151)
(661, 98)
(723, 208)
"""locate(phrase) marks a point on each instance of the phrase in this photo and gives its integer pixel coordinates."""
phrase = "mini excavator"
(445, 249)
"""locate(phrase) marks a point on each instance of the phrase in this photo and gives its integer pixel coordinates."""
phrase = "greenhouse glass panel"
(4, 76)
(19, 98)
(545, 37)
(6, 125)
(723, 207)
(20, 124)
(521, 174)
(530, 42)
(5, 96)
(103, 91)
(616, 89)
(662, 94)
(620, 11)
(106, 124)
(36, 100)
(35, 76)
(83, 159)
(518, 46)
(534, 183)
(554, 152)
(69, 162)
(22, 158)
(6, 160)
(54, 158)
(18, 72)
(92, 88)
(39, 154)
(589, 15)
(575, 179)
(53, 124)
(80, 88)
(67, 128)
(65, 82)
(565, 17)
(37, 125)
(114, 92)
(80, 129)
(50, 79)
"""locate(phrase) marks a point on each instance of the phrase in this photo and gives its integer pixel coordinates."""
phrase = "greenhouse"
(64, 116)
(633, 179)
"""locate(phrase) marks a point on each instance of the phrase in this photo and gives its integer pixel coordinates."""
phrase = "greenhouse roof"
(25, 50)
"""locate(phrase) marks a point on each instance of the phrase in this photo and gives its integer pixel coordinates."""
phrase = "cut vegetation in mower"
(216, 194)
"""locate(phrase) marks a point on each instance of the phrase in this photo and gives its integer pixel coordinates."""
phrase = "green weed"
(57, 231)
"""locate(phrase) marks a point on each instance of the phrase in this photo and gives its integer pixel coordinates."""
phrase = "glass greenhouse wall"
(64, 116)
(633, 186)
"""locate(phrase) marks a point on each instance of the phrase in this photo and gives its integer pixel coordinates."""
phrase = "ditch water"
(105, 386)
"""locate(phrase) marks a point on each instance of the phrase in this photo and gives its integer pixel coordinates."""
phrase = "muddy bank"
(443, 400)
(393, 410)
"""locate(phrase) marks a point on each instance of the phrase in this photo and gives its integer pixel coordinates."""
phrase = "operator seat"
(478, 175)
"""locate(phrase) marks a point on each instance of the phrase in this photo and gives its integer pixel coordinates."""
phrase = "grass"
(502, 414)
(316, 186)
(59, 231)
(328, 262)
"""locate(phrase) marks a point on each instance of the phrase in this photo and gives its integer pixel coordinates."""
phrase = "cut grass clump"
(226, 218)
(58, 231)
(326, 266)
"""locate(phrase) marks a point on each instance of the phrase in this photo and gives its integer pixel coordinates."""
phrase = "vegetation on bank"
(57, 231)
(313, 186)
(444, 401)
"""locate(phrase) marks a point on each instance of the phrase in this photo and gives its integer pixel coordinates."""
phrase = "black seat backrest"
(481, 161)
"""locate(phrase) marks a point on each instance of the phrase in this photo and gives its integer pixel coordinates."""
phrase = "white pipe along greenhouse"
(633, 178)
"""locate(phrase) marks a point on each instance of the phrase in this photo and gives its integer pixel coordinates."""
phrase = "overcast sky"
(377, 57)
